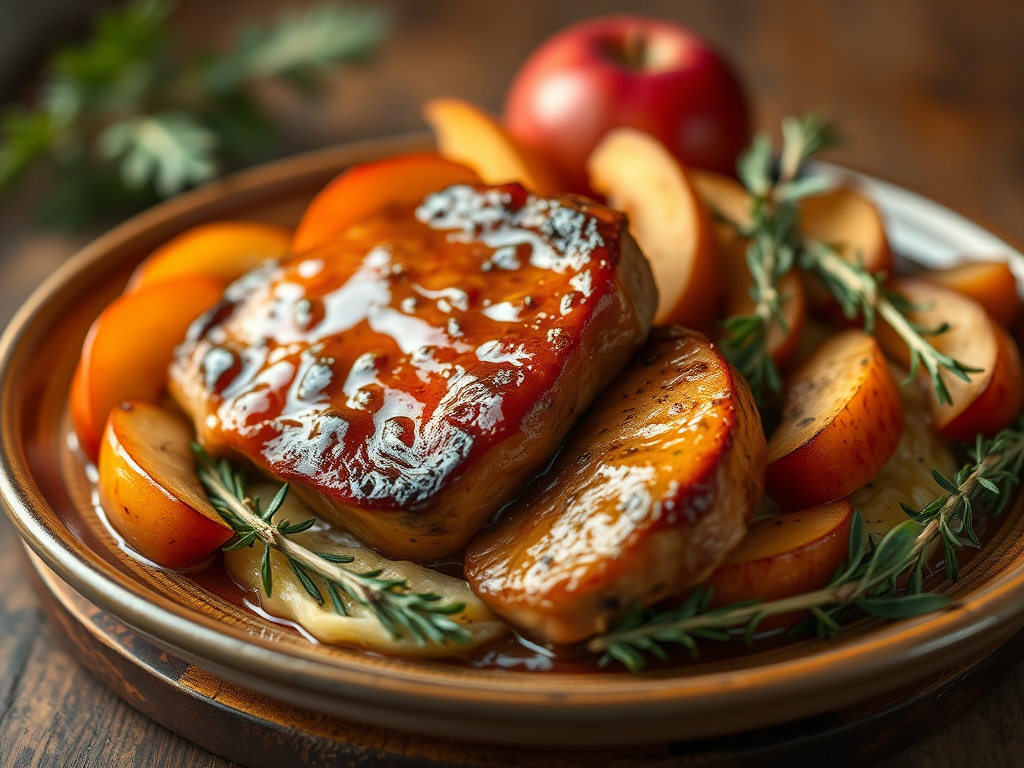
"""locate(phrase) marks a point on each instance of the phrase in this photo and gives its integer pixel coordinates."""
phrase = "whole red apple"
(649, 74)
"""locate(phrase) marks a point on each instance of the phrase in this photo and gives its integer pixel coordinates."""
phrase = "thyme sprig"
(771, 252)
(867, 581)
(423, 616)
(862, 294)
(776, 246)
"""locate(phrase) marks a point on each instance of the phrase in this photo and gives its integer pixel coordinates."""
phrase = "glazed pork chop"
(410, 375)
(651, 491)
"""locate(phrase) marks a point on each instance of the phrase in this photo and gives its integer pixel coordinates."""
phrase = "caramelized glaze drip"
(380, 366)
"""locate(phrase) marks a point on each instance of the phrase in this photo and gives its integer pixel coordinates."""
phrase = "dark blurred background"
(927, 93)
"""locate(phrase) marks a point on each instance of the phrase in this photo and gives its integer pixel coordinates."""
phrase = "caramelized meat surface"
(410, 375)
(652, 490)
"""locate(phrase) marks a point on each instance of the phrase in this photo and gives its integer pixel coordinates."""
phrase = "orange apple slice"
(851, 223)
(993, 397)
(785, 555)
(841, 421)
(367, 188)
(224, 250)
(466, 134)
(637, 175)
(128, 349)
(990, 283)
(149, 488)
(725, 196)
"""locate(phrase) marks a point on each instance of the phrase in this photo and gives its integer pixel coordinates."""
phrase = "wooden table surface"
(929, 93)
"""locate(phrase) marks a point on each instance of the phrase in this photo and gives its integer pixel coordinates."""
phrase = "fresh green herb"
(868, 581)
(772, 236)
(861, 294)
(123, 119)
(776, 246)
(425, 617)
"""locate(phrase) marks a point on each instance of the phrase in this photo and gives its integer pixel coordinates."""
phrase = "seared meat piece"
(652, 490)
(409, 376)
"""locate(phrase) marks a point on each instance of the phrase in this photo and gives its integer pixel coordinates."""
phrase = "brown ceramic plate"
(47, 495)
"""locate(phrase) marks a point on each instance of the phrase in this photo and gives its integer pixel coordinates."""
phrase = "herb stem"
(423, 616)
(868, 580)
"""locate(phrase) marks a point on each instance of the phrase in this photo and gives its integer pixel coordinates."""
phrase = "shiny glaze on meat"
(381, 372)
(651, 491)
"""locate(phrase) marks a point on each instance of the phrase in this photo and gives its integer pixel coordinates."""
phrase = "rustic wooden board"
(255, 731)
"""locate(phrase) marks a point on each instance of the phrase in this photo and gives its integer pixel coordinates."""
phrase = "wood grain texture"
(261, 733)
(928, 94)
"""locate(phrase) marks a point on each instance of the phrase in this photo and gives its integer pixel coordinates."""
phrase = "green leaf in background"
(123, 118)
(171, 151)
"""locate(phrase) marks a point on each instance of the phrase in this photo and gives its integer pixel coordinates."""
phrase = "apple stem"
(633, 52)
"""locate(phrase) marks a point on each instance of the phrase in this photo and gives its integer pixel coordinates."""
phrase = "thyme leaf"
(867, 581)
(423, 616)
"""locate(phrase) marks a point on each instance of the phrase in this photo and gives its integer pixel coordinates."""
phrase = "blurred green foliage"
(123, 118)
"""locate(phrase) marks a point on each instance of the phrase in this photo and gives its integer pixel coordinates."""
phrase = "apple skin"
(634, 72)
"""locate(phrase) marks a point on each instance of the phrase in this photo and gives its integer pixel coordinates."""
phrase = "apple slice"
(649, 493)
(149, 488)
(725, 196)
(224, 250)
(785, 555)
(364, 189)
(639, 176)
(853, 224)
(782, 344)
(128, 348)
(990, 283)
(841, 421)
(466, 134)
(993, 397)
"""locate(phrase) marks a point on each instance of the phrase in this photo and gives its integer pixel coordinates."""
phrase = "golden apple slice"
(725, 196)
(650, 492)
(368, 188)
(841, 421)
(129, 347)
(466, 134)
(670, 223)
(853, 224)
(993, 397)
(785, 555)
(990, 283)
(223, 251)
(149, 488)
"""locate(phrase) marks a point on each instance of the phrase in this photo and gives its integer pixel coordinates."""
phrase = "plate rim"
(927, 641)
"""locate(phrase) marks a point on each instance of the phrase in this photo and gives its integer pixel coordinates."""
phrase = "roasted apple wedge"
(994, 395)
(785, 555)
(370, 187)
(851, 223)
(841, 420)
(723, 195)
(223, 251)
(128, 348)
(990, 283)
(149, 488)
(651, 491)
(466, 134)
(639, 176)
